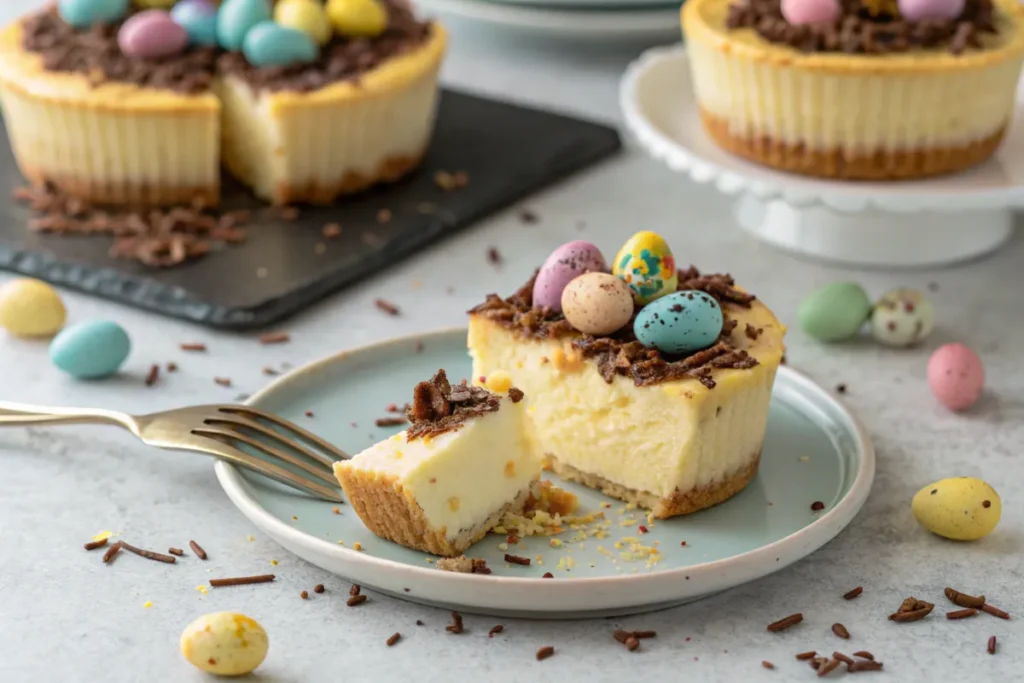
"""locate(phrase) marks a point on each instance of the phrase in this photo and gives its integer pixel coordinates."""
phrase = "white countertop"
(65, 617)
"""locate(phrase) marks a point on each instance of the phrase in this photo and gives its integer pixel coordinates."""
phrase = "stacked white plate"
(579, 19)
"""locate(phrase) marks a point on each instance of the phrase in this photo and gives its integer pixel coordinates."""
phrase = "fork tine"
(308, 436)
(235, 421)
(275, 472)
(215, 431)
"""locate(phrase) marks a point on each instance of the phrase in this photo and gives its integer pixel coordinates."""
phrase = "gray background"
(66, 617)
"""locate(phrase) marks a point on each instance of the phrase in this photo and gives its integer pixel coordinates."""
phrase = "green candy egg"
(834, 312)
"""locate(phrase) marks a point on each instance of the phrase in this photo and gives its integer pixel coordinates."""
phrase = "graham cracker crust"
(390, 170)
(126, 193)
(679, 503)
(843, 165)
(392, 513)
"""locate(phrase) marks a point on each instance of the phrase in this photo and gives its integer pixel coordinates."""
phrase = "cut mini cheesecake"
(673, 433)
(442, 484)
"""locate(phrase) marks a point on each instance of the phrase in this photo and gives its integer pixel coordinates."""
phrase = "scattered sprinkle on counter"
(147, 604)
(103, 535)
(545, 652)
(250, 538)
(273, 562)
(357, 546)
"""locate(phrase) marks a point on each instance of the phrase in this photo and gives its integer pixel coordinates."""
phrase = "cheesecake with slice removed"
(439, 486)
(673, 433)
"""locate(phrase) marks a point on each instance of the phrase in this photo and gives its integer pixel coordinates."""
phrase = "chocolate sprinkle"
(111, 551)
(859, 31)
(456, 626)
(991, 649)
(864, 665)
(438, 407)
(200, 553)
(785, 622)
(495, 631)
(148, 554)
(92, 545)
(840, 631)
(912, 609)
(962, 613)
(851, 594)
(545, 652)
(394, 638)
(621, 353)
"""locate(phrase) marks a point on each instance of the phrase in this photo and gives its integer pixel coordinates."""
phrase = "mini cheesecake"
(442, 484)
(671, 434)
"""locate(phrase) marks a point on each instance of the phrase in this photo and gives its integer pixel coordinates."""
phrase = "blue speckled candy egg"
(236, 18)
(680, 323)
(199, 19)
(85, 13)
(91, 350)
(269, 44)
(646, 263)
(566, 263)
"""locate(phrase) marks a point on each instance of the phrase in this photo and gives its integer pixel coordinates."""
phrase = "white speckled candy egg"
(646, 264)
(902, 317)
(959, 508)
(236, 17)
(268, 44)
(91, 350)
(199, 19)
(31, 308)
(85, 13)
(565, 264)
(225, 643)
(151, 34)
(597, 303)
(307, 16)
(680, 323)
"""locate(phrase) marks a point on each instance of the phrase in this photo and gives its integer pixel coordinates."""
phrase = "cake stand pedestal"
(876, 224)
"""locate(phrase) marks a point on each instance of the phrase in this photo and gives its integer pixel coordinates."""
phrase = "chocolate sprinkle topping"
(438, 407)
(95, 52)
(859, 30)
(621, 353)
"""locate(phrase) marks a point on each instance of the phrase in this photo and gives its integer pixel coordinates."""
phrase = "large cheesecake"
(442, 484)
(671, 433)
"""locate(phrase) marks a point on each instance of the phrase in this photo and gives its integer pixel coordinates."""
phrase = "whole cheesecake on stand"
(856, 89)
(143, 103)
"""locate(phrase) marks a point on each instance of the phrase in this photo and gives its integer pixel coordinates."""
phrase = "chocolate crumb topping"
(95, 52)
(863, 29)
(516, 395)
(621, 353)
(438, 407)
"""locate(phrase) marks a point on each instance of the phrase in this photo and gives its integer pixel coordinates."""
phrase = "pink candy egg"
(799, 12)
(919, 10)
(956, 376)
(565, 263)
(151, 34)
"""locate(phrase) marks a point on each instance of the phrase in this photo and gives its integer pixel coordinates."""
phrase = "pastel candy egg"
(357, 18)
(236, 17)
(797, 12)
(834, 312)
(680, 323)
(85, 13)
(31, 308)
(151, 34)
(155, 4)
(956, 376)
(920, 10)
(597, 304)
(646, 264)
(563, 265)
(199, 19)
(90, 350)
(307, 16)
(902, 317)
(959, 508)
(224, 643)
(268, 44)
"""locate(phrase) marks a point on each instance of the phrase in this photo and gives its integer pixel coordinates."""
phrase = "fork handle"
(24, 415)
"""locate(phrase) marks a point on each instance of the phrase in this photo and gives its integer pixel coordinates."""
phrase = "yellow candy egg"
(646, 264)
(154, 4)
(31, 308)
(307, 16)
(224, 643)
(357, 18)
(959, 508)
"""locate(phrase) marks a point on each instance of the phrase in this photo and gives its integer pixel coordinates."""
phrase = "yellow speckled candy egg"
(31, 308)
(959, 508)
(307, 16)
(597, 303)
(646, 264)
(357, 18)
(224, 643)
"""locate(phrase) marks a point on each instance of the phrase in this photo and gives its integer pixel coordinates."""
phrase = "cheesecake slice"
(672, 434)
(439, 486)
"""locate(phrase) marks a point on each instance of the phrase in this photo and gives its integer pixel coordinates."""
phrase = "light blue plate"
(814, 451)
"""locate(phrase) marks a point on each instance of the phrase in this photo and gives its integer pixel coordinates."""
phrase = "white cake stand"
(903, 224)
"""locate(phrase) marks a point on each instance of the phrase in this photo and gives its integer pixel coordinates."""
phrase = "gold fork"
(212, 430)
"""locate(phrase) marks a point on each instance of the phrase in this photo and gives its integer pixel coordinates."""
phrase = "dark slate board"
(507, 150)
